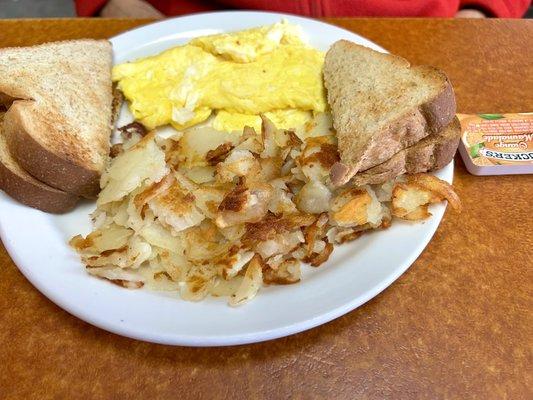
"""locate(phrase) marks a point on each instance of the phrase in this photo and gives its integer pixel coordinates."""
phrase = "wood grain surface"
(457, 325)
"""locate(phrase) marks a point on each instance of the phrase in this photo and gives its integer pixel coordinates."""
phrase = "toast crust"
(43, 164)
(430, 154)
(34, 194)
(21, 186)
(441, 110)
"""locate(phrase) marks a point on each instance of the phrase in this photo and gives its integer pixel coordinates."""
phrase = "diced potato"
(176, 265)
(281, 202)
(252, 206)
(287, 139)
(130, 279)
(250, 285)
(233, 233)
(121, 214)
(131, 255)
(238, 163)
(270, 169)
(384, 191)
(200, 175)
(268, 134)
(313, 198)
(207, 199)
(143, 163)
(176, 209)
(418, 213)
(440, 188)
(222, 287)
(250, 141)
(199, 281)
(288, 272)
(375, 211)
(110, 238)
(319, 155)
(282, 243)
(204, 212)
(318, 258)
(156, 235)
(350, 207)
(196, 142)
(409, 198)
(204, 242)
(232, 264)
(320, 125)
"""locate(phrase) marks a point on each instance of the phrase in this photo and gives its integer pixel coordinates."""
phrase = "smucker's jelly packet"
(497, 144)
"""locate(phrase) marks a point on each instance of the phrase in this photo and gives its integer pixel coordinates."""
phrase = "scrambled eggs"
(236, 76)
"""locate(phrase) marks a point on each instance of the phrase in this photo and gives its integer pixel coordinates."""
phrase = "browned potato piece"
(438, 187)
(350, 207)
(288, 272)
(410, 199)
(268, 130)
(418, 214)
(213, 157)
(317, 259)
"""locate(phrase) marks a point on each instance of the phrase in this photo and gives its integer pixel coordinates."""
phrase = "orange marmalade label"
(498, 139)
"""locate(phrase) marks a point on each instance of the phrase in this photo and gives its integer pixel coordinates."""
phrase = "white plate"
(356, 272)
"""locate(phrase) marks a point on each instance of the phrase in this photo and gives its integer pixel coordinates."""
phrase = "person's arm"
(470, 13)
(495, 8)
(130, 9)
(117, 9)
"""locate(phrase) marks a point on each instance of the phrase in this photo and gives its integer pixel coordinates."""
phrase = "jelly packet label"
(498, 139)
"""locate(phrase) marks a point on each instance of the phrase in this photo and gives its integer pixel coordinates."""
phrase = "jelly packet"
(497, 144)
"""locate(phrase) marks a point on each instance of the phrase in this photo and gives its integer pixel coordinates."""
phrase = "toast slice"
(58, 121)
(430, 154)
(23, 187)
(381, 105)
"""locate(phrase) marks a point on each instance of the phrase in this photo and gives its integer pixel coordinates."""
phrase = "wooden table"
(456, 325)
